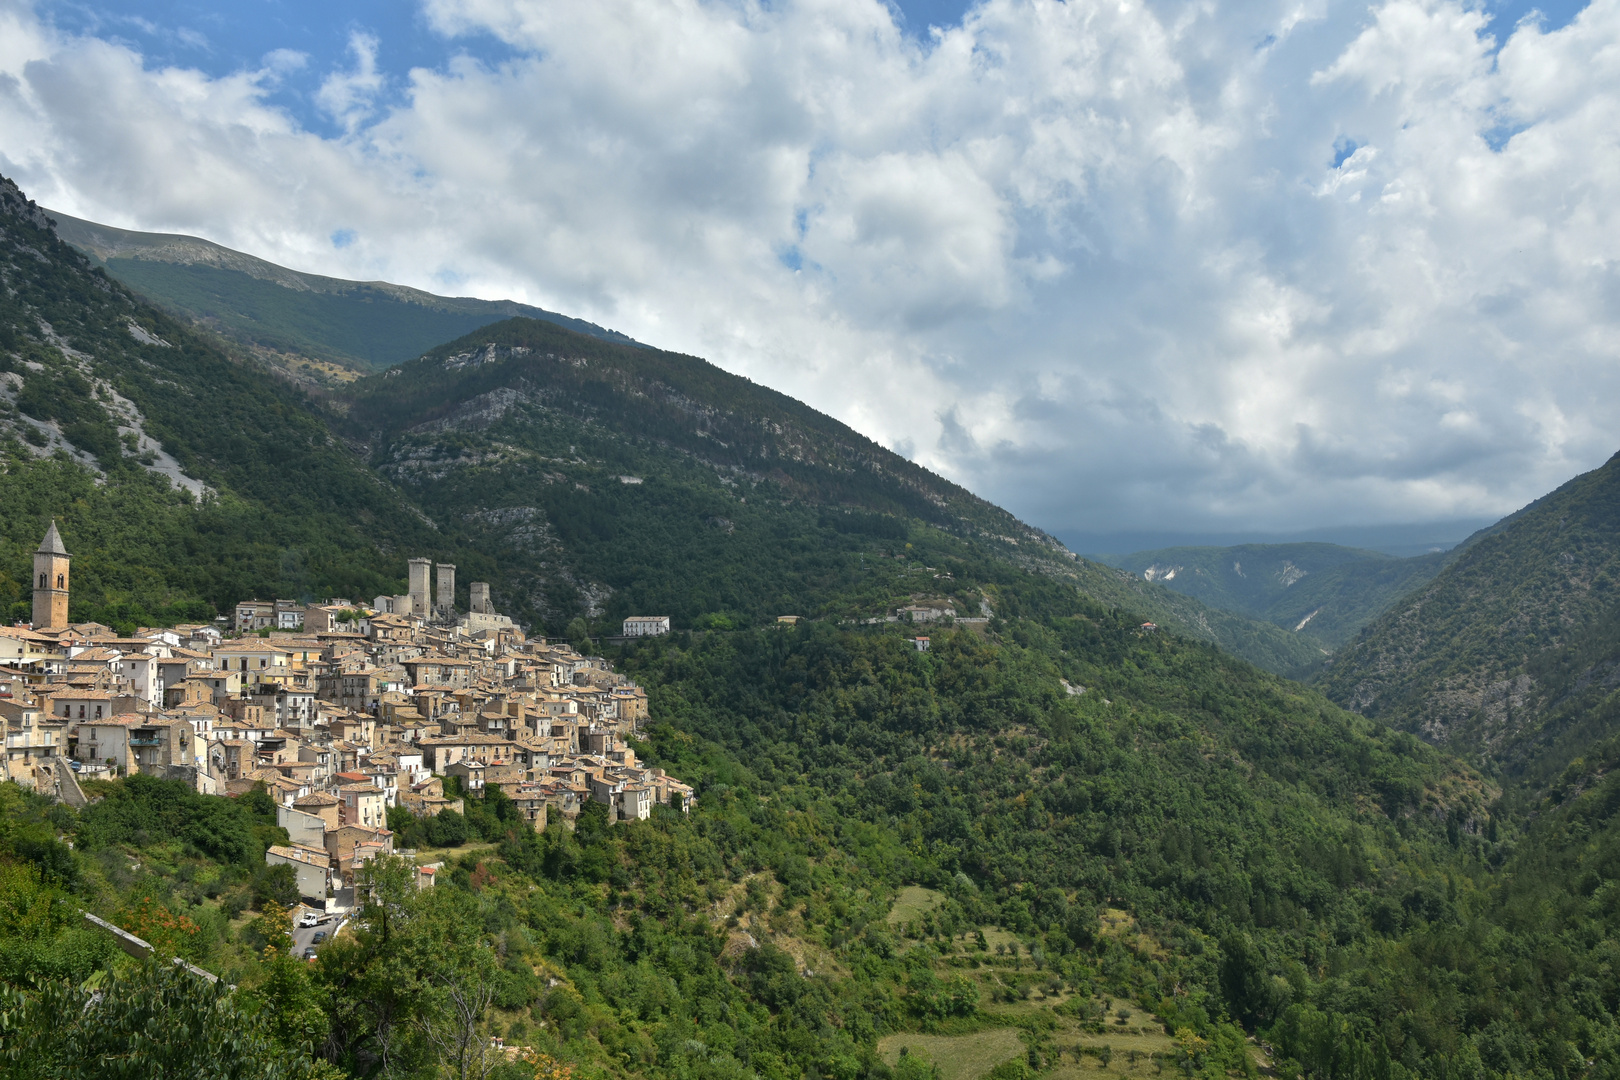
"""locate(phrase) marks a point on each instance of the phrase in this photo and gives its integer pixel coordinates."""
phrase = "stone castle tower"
(445, 590)
(419, 586)
(51, 582)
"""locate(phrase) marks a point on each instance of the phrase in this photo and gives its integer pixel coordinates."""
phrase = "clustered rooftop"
(354, 711)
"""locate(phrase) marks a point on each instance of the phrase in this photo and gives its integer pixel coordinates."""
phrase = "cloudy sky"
(1176, 266)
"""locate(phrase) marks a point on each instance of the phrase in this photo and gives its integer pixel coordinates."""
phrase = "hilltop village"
(342, 711)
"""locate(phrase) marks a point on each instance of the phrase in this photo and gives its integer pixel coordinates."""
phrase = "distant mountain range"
(1322, 592)
(1401, 541)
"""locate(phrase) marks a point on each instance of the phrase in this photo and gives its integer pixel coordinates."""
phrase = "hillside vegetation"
(1512, 653)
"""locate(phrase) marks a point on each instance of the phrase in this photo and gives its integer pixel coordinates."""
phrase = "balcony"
(146, 742)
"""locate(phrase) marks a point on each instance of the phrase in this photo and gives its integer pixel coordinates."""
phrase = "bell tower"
(51, 582)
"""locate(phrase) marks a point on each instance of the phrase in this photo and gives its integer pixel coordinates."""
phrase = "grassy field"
(1021, 994)
(993, 936)
(1081, 1055)
(959, 1057)
(424, 856)
(913, 902)
(1120, 924)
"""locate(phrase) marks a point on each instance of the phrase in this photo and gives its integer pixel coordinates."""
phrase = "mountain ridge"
(229, 291)
(465, 420)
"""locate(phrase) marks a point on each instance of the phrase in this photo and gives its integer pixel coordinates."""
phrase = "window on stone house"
(61, 581)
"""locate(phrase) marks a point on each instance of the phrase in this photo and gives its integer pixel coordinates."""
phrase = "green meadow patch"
(959, 1057)
(912, 903)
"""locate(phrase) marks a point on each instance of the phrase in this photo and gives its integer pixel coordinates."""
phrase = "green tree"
(275, 886)
(156, 1023)
(1250, 995)
(292, 1004)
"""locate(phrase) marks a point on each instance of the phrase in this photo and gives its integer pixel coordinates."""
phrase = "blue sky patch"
(1497, 136)
(220, 38)
(921, 14)
(1555, 14)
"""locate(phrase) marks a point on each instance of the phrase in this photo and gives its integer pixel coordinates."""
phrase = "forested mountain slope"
(1198, 797)
(184, 480)
(1145, 819)
(1323, 592)
(616, 479)
(1183, 846)
(1512, 652)
(365, 325)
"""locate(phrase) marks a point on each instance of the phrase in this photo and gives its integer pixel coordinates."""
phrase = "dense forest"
(888, 841)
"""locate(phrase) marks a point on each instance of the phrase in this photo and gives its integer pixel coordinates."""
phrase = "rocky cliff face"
(13, 203)
(58, 397)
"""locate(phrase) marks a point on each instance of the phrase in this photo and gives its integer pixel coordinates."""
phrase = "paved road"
(304, 936)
